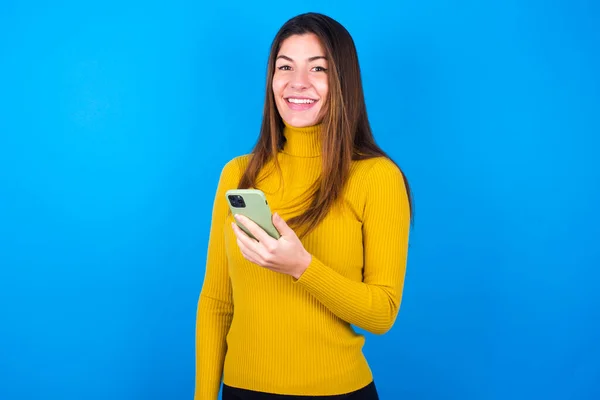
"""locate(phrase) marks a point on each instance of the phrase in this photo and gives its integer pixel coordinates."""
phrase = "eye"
(284, 68)
(320, 69)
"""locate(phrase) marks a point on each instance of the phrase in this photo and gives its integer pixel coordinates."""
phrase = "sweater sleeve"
(372, 304)
(215, 304)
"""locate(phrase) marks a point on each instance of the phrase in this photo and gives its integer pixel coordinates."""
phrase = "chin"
(300, 122)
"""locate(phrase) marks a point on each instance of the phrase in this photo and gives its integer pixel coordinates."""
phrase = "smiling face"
(300, 83)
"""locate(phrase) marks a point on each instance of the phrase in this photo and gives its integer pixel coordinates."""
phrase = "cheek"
(322, 87)
(278, 86)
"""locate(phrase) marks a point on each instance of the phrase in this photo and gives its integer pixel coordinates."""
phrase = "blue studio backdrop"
(116, 119)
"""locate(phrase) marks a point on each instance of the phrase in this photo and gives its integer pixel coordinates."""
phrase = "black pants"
(369, 392)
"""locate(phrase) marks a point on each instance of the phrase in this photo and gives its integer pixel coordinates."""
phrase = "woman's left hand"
(286, 255)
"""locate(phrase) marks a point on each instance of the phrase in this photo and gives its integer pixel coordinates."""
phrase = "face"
(300, 80)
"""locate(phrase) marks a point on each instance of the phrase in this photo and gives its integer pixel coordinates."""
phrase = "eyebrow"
(310, 59)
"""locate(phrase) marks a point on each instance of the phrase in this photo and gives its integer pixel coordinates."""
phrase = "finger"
(238, 231)
(260, 252)
(281, 225)
(245, 241)
(248, 255)
(258, 232)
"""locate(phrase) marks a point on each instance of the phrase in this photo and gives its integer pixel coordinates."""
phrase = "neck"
(302, 142)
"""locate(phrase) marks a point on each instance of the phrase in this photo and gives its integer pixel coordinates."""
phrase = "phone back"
(252, 203)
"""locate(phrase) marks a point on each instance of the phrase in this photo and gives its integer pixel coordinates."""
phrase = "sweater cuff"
(317, 277)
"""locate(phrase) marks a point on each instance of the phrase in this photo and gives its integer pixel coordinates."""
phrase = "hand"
(285, 255)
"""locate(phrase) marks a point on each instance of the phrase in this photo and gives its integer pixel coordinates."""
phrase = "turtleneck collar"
(302, 142)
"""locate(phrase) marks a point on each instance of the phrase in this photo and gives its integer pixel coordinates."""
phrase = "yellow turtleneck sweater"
(265, 331)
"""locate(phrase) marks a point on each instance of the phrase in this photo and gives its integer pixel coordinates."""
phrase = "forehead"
(302, 46)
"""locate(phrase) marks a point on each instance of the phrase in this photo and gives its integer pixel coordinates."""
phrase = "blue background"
(116, 119)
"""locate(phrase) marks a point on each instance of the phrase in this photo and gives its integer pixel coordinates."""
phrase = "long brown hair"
(346, 133)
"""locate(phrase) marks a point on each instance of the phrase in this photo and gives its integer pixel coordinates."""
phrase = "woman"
(275, 316)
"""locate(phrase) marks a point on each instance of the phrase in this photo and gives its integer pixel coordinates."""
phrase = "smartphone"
(252, 203)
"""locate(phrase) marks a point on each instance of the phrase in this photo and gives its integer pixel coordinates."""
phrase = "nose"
(299, 80)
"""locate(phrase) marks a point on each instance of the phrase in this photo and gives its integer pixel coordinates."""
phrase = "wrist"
(303, 266)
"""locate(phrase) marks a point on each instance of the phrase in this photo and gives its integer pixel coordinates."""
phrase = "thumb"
(281, 225)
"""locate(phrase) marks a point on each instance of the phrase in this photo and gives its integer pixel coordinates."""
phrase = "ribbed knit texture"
(266, 331)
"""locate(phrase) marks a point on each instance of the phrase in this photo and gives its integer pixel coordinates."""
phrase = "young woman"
(275, 316)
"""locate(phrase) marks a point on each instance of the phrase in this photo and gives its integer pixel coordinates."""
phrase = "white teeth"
(301, 101)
